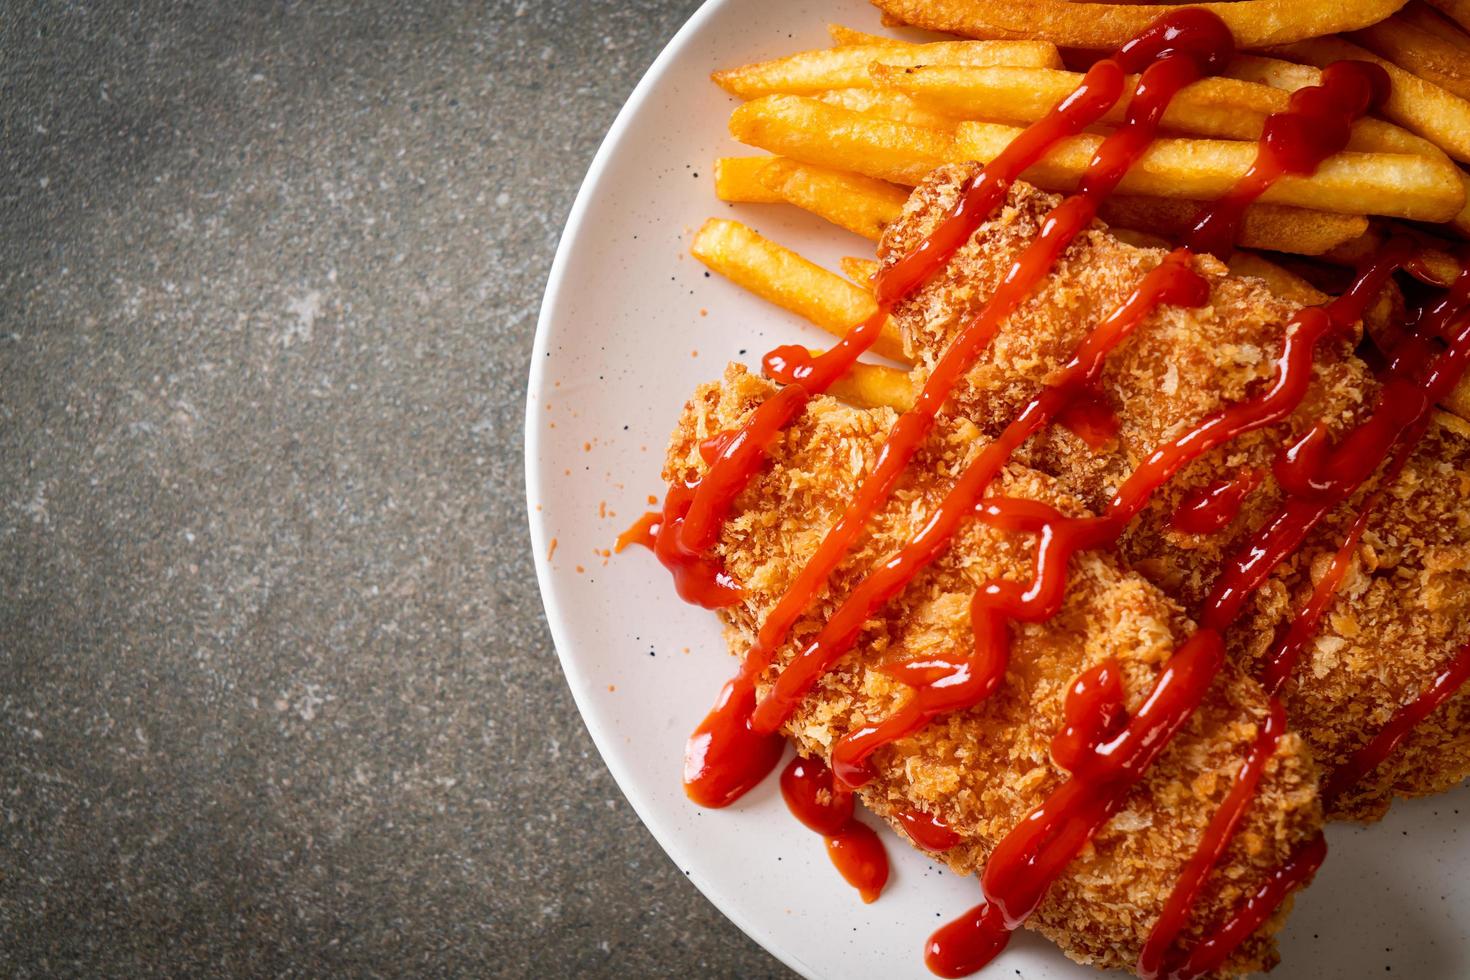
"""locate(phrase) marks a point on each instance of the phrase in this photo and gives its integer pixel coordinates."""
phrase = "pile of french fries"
(846, 131)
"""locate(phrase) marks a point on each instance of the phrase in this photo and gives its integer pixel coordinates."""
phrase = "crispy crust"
(983, 769)
(1406, 607)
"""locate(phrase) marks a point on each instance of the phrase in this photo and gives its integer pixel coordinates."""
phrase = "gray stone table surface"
(276, 693)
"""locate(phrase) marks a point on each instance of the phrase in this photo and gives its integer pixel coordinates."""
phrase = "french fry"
(1266, 226)
(782, 277)
(1357, 250)
(1254, 23)
(1456, 10)
(885, 104)
(1431, 58)
(1286, 75)
(1399, 185)
(874, 386)
(1221, 108)
(860, 271)
(1419, 106)
(848, 36)
(810, 72)
(737, 179)
(1461, 221)
(1287, 285)
(1436, 261)
(860, 204)
(809, 130)
(1419, 14)
(812, 131)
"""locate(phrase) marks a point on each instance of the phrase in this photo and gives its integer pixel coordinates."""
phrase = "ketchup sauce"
(820, 804)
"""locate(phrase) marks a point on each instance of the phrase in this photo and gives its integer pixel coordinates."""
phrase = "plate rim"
(719, 897)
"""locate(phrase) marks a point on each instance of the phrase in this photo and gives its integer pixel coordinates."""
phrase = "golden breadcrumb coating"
(983, 769)
(1405, 609)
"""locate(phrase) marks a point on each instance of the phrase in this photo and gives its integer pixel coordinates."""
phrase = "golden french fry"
(1255, 23)
(860, 204)
(809, 72)
(1419, 106)
(1395, 184)
(889, 105)
(874, 386)
(847, 36)
(1222, 108)
(1431, 58)
(860, 271)
(1421, 15)
(737, 179)
(1436, 261)
(1287, 285)
(1268, 226)
(786, 279)
(812, 131)
(1286, 75)
(1357, 250)
(1461, 221)
(1456, 10)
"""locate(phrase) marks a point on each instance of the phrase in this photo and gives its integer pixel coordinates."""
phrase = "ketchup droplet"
(853, 847)
(724, 758)
(859, 856)
(928, 831)
(1214, 507)
(961, 947)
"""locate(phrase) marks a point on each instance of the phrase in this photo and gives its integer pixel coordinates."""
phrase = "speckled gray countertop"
(276, 694)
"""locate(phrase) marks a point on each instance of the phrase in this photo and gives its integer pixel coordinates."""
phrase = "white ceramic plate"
(629, 326)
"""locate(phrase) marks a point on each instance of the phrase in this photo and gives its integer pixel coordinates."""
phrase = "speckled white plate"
(629, 326)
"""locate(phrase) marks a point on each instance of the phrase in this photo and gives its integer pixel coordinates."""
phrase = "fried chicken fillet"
(982, 770)
(1404, 608)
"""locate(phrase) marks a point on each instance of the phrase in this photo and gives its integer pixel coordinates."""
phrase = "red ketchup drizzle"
(1092, 713)
(643, 531)
(1212, 952)
(928, 830)
(1416, 379)
(1315, 126)
(1092, 420)
(965, 945)
(724, 757)
(1214, 507)
(1217, 835)
(1282, 660)
(1449, 680)
(807, 788)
